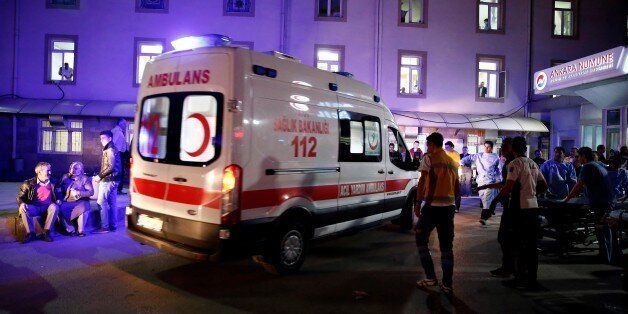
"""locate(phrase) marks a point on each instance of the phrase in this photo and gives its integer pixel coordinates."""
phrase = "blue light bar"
(193, 42)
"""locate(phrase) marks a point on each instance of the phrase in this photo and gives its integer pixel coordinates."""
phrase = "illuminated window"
(490, 15)
(413, 13)
(330, 58)
(360, 137)
(239, 7)
(412, 73)
(61, 138)
(145, 50)
(331, 10)
(591, 135)
(565, 18)
(61, 58)
(62, 4)
(491, 83)
(151, 6)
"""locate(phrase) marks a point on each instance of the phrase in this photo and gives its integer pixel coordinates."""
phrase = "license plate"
(149, 222)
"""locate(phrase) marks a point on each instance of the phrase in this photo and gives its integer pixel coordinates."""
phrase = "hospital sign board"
(600, 66)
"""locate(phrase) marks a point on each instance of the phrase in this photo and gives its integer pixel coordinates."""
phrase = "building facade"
(471, 57)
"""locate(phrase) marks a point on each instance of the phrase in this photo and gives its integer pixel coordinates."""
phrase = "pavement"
(373, 271)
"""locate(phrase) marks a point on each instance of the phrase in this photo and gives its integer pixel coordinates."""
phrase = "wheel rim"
(291, 248)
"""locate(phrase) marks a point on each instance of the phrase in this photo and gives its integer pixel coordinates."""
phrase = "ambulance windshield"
(180, 128)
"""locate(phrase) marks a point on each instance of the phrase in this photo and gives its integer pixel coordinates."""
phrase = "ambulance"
(237, 150)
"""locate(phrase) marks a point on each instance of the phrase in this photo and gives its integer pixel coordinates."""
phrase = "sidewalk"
(8, 210)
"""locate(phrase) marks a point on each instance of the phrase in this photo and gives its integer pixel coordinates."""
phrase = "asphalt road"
(370, 272)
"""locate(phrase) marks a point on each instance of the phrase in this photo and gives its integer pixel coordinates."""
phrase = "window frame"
(173, 138)
(70, 130)
(501, 29)
(251, 13)
(502, 68)
(414, 24)
(423, 68)
(76, 6)
(344, 129)
(340, 48)
(343, 8)
(400, 141)
(48, 39)
(137, 41)
(139, 9)
(575, 8)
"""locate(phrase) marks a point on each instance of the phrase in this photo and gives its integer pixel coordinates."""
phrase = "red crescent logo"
(206, 134)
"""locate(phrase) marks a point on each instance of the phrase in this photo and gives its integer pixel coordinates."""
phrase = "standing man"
(560, 175)
(600, 151)
(537, 158)
(524, 181)
(37, 198)
(107, 181)
(487, 165)
(467, 175)
(482, 90)
(119, 141)
(449, 149)
(596, 183)
(438, 187)
(415, 151)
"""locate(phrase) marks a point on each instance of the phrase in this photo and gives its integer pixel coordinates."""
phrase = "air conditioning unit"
(56, 120)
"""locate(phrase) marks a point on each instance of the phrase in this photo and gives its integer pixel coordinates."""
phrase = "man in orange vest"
(438, 187)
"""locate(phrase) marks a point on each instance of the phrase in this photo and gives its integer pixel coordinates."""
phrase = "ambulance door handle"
(179, 179)
(380, 171)
(390, 172)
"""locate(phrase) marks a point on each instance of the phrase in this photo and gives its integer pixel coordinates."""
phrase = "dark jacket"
(82, 184)
(110, 163)
(27, 192)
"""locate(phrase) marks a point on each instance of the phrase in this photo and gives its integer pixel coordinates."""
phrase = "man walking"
(524, 181)
(438, 187)
(107, 183)
(487, 166)
(37, 198)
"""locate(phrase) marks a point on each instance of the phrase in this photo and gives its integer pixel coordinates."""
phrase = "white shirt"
(526, 172)
(485, 165)
(118, 139)
(66, 73)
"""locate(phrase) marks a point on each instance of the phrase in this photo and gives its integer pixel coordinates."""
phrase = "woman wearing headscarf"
(75, 190)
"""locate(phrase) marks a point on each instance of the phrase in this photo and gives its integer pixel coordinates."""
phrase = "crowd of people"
(66, 202)
(517, 182)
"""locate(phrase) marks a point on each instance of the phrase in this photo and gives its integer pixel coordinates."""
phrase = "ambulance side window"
(398, 152)
(360, 137)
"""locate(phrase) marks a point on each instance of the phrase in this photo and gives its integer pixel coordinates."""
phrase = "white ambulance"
(237, 150)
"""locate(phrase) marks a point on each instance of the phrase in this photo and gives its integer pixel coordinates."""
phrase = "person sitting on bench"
(37, 198)
(75, 190)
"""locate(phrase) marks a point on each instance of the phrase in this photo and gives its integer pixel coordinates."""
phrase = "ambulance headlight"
(193, 42)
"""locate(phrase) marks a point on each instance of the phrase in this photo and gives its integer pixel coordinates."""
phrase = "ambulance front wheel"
(285, 249)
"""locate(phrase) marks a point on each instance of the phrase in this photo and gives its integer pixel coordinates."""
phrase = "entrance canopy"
(602, 78)
(92, 108)
(468, 121)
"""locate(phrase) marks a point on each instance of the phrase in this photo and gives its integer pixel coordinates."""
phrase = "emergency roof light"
(193, 42)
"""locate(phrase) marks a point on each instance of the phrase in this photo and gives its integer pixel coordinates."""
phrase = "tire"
(285, 249)
(406, 217)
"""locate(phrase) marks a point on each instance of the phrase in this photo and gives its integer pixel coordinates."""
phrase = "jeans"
(107, 197)
(28, 211)
(507, 238)
(526, 257)
(441, 218)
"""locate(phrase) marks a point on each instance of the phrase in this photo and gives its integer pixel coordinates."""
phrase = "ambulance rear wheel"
(285, 249)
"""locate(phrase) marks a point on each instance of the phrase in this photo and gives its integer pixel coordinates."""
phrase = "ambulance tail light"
(231, 192)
